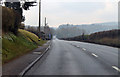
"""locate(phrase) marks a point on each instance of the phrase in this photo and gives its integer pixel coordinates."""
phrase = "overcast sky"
(60, 12)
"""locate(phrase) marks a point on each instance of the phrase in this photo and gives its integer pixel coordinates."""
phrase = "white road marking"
(94, 55)
(49, 47)
(116, 68)
(77, 46)
(84, 49)
(37, 53)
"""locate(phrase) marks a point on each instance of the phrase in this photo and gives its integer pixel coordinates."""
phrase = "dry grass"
(108, 41)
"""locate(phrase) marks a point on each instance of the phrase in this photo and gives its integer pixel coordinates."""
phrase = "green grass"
(15, 46)
(32, 37)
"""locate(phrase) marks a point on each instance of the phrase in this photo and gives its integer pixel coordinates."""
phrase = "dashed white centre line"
(94, 55)
(84, 49)
(116, 68)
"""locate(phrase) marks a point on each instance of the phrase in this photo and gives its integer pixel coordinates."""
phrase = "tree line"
(12, 15)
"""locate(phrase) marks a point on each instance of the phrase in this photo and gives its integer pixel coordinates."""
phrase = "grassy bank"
(15, 46)
(115, 42)
(110, 38)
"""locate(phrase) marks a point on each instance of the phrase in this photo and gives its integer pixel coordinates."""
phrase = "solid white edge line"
(94, 55)
(31, 64)
(116, 68)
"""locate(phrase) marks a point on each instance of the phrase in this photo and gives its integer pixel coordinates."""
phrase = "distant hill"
(92, 28)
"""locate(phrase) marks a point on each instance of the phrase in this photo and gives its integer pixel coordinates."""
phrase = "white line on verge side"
(116, 68)
(37, 53)
(84, 49)
(94, 55)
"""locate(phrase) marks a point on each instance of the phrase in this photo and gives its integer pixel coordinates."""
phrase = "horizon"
(76, 24)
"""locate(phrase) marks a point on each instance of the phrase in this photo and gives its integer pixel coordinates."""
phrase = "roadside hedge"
(10, 20)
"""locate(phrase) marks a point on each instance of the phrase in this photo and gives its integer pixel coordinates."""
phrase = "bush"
(10, 20)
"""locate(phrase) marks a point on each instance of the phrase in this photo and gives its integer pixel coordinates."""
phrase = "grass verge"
(15, 46)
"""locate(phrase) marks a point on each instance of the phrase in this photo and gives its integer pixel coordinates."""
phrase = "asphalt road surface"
(77, 58)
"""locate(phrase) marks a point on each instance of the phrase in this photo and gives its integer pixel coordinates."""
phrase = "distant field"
(15, 46)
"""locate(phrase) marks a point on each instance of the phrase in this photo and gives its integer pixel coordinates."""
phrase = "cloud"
(79, 0)
(73, 12)
(108, 13)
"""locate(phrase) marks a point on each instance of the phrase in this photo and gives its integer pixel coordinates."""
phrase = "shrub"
(10, 20)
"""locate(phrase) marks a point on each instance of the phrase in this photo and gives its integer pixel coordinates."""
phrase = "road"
(77, 58)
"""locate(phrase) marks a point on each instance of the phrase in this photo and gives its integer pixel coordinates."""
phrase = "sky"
(74, 12)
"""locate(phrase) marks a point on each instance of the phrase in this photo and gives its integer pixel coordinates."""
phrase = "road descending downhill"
(77, 58)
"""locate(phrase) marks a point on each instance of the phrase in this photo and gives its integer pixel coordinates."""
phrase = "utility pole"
(39, 18)
(45, 22)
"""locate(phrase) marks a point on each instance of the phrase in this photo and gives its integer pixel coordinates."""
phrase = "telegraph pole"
(39, 18)
(45, 22)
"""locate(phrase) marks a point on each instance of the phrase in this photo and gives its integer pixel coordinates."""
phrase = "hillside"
(16, 41)
(86, 28)
(14, 46)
